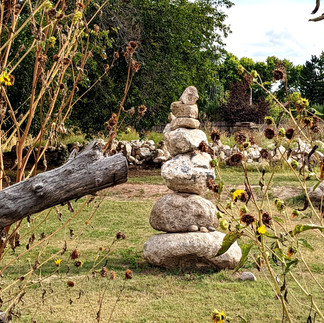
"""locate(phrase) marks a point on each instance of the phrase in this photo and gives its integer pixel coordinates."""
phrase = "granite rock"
(189, 96)
(246, 275)
(188, 173)
(182, 140)
(177, 212)
(181, 110)
(190, 250)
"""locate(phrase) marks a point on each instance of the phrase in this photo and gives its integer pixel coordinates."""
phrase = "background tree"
(179, 43)
(238, 107)
(312, 80)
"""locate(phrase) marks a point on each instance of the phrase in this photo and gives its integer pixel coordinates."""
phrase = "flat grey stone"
(190, 250)
(188, 123)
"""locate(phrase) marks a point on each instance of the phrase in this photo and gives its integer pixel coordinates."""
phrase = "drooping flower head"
(279, 72)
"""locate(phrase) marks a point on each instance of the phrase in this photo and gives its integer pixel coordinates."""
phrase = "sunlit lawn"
(154, 294)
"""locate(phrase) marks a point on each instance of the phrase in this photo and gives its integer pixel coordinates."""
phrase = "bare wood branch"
(89, 172)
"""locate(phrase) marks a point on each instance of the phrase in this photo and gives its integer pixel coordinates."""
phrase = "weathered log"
(87, 173)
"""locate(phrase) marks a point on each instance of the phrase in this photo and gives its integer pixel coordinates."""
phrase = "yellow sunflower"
(5, 79)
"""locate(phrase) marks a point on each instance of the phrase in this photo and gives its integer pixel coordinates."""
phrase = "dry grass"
(154, 294)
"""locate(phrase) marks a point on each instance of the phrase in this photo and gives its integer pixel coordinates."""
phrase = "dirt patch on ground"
(129, 191)
(284, 193)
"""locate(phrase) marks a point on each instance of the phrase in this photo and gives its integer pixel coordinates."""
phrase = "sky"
(275, 28)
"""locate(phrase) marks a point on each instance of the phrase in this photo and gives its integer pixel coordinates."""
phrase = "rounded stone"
(190, 250)
(183, 140)
(246, 275)
(188, 173)
(180, 212)
(189, 95)
(193, 228)
(203, 229)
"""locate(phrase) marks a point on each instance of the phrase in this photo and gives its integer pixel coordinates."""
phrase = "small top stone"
(189, 96)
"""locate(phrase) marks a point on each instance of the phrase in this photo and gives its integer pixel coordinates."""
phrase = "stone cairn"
(188, 219)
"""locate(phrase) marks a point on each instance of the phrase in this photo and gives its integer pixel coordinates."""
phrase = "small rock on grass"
(246, 275)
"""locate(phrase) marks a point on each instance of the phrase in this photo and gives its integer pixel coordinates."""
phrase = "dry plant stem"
(262, 248)
(1, 163)
(48, 237)
(304, 187)
(16, 298)
(17, 32)
(13, 27)
(274, 281)
(307, 294)
(101, 303)
(310, 272)
(117, 300)
(12, 113)
(27, 234)
(121, 105)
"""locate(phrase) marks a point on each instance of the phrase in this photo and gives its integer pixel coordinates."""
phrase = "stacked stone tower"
(188, 219)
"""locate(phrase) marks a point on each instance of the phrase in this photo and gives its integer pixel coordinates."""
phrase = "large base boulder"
(190, 250)
(177, 212)
(188, 173)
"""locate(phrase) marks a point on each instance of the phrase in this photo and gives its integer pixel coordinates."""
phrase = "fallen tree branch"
(90, 171)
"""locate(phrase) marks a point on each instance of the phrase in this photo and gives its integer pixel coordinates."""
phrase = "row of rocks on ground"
(146, 152)
(141, 152)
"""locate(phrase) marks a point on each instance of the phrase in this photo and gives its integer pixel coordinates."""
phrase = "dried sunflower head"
(307, 121)
(266, 219)
(211, 185)
(120, 236)
(264, 153)
(128, 274)
(269, 121)
(75, 254)
(215, 135)
(78, 263)
(235, 159)
(240, 137)
(247, 219)
(70, 283)
(104, 272)
(290, 133)
(141, 110)
(203, 147)
(269, 133)
(280, 72)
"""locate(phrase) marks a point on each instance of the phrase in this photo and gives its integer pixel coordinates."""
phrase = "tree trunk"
(87, 173)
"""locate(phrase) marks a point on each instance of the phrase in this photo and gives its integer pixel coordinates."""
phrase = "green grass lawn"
(154, 294)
